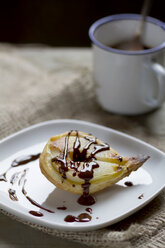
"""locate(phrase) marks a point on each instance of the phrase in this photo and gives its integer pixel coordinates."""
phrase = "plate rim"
(60, 227)
(43, 123)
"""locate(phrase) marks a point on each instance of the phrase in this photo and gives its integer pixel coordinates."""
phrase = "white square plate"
(112, 204)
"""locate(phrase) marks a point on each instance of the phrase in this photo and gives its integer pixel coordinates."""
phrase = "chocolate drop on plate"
(128, 183)
(80, 218)
(70, 218)
(36, 213)
(89, 210)
(141, 196)
(84, 217)
(62, 208)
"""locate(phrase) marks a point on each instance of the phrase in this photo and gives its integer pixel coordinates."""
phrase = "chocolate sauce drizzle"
(63, 161)
(38, 205)
(32, 201)
(89, 163)
(86, 173)
(80, 218)
(24, 160)
(21, 180)
(15, 178)
(18, 162)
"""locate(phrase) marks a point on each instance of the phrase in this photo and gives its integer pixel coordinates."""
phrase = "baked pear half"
(80, 163)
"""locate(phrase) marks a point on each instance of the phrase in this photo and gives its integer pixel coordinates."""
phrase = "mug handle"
(159, 72)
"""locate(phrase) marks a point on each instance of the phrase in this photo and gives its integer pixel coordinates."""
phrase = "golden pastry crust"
(74, 159)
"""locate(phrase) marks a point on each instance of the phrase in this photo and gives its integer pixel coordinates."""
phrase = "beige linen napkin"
(52, 84)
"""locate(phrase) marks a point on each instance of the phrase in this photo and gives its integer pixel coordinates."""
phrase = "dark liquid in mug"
(126, 46)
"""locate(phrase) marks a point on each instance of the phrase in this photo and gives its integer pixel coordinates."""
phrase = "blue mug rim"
(116, 17)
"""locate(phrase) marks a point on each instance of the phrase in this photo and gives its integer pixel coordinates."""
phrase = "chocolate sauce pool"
(86, 200)
(89, 163)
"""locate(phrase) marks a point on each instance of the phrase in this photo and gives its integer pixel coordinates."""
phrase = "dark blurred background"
(61, 22)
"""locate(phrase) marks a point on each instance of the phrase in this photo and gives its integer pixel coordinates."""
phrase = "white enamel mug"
(128, 82)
